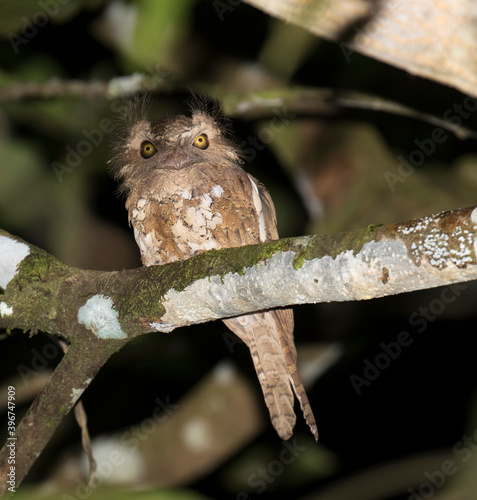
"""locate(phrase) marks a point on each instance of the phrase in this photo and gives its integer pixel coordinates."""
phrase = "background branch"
(399, 33)
(305, 101)
(72, 376)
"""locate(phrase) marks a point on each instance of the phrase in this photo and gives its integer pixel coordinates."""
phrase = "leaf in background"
(25, 18)
(146, 32)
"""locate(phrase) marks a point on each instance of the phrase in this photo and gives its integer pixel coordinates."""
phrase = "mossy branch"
(99, 312)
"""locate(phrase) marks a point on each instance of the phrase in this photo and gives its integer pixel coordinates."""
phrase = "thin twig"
(251, 105)
(82, 419)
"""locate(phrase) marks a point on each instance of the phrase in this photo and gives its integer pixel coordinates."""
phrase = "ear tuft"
(135, 110)
(203, 106)
(132, 112)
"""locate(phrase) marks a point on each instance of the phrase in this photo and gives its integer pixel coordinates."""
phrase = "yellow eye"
(201, 141)
(148, 149)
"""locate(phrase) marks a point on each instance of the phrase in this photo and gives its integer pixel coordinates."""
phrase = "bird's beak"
(174, 160)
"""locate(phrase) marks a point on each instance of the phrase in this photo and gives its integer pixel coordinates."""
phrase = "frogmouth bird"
(186, 193)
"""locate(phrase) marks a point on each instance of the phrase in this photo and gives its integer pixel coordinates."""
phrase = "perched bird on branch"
(187, 193)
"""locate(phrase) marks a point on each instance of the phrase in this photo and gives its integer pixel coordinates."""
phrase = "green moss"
(37, 265)
(52, 423)
(34, 287)
(136, 305)
(299, 259)
(331, 245)
(157, 281)
(225, 261)
(373, 227)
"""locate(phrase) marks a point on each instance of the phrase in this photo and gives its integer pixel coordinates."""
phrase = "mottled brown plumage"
(186, 194)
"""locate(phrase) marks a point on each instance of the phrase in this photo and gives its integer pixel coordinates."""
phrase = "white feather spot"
(145, 242)
(138, 215)
(215, 221)
(473, 216)
(99, 316)
(258, 208)
(11, 254)
(186, 194)
(205, 201)
(141, 203)
(217, 191)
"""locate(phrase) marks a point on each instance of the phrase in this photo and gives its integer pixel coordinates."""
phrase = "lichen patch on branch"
(5, 310)
(162, 327)
(99, 316)
(76, 394)
(12, 252)
(442, 239)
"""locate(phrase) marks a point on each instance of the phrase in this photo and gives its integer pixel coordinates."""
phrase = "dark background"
(421, 405)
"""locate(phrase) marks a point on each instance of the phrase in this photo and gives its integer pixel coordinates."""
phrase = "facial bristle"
(131, 112)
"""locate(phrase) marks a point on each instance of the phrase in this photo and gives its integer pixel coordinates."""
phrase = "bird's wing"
(269, 336)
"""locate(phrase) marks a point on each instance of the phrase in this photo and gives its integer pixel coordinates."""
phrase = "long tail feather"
(269, 336)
